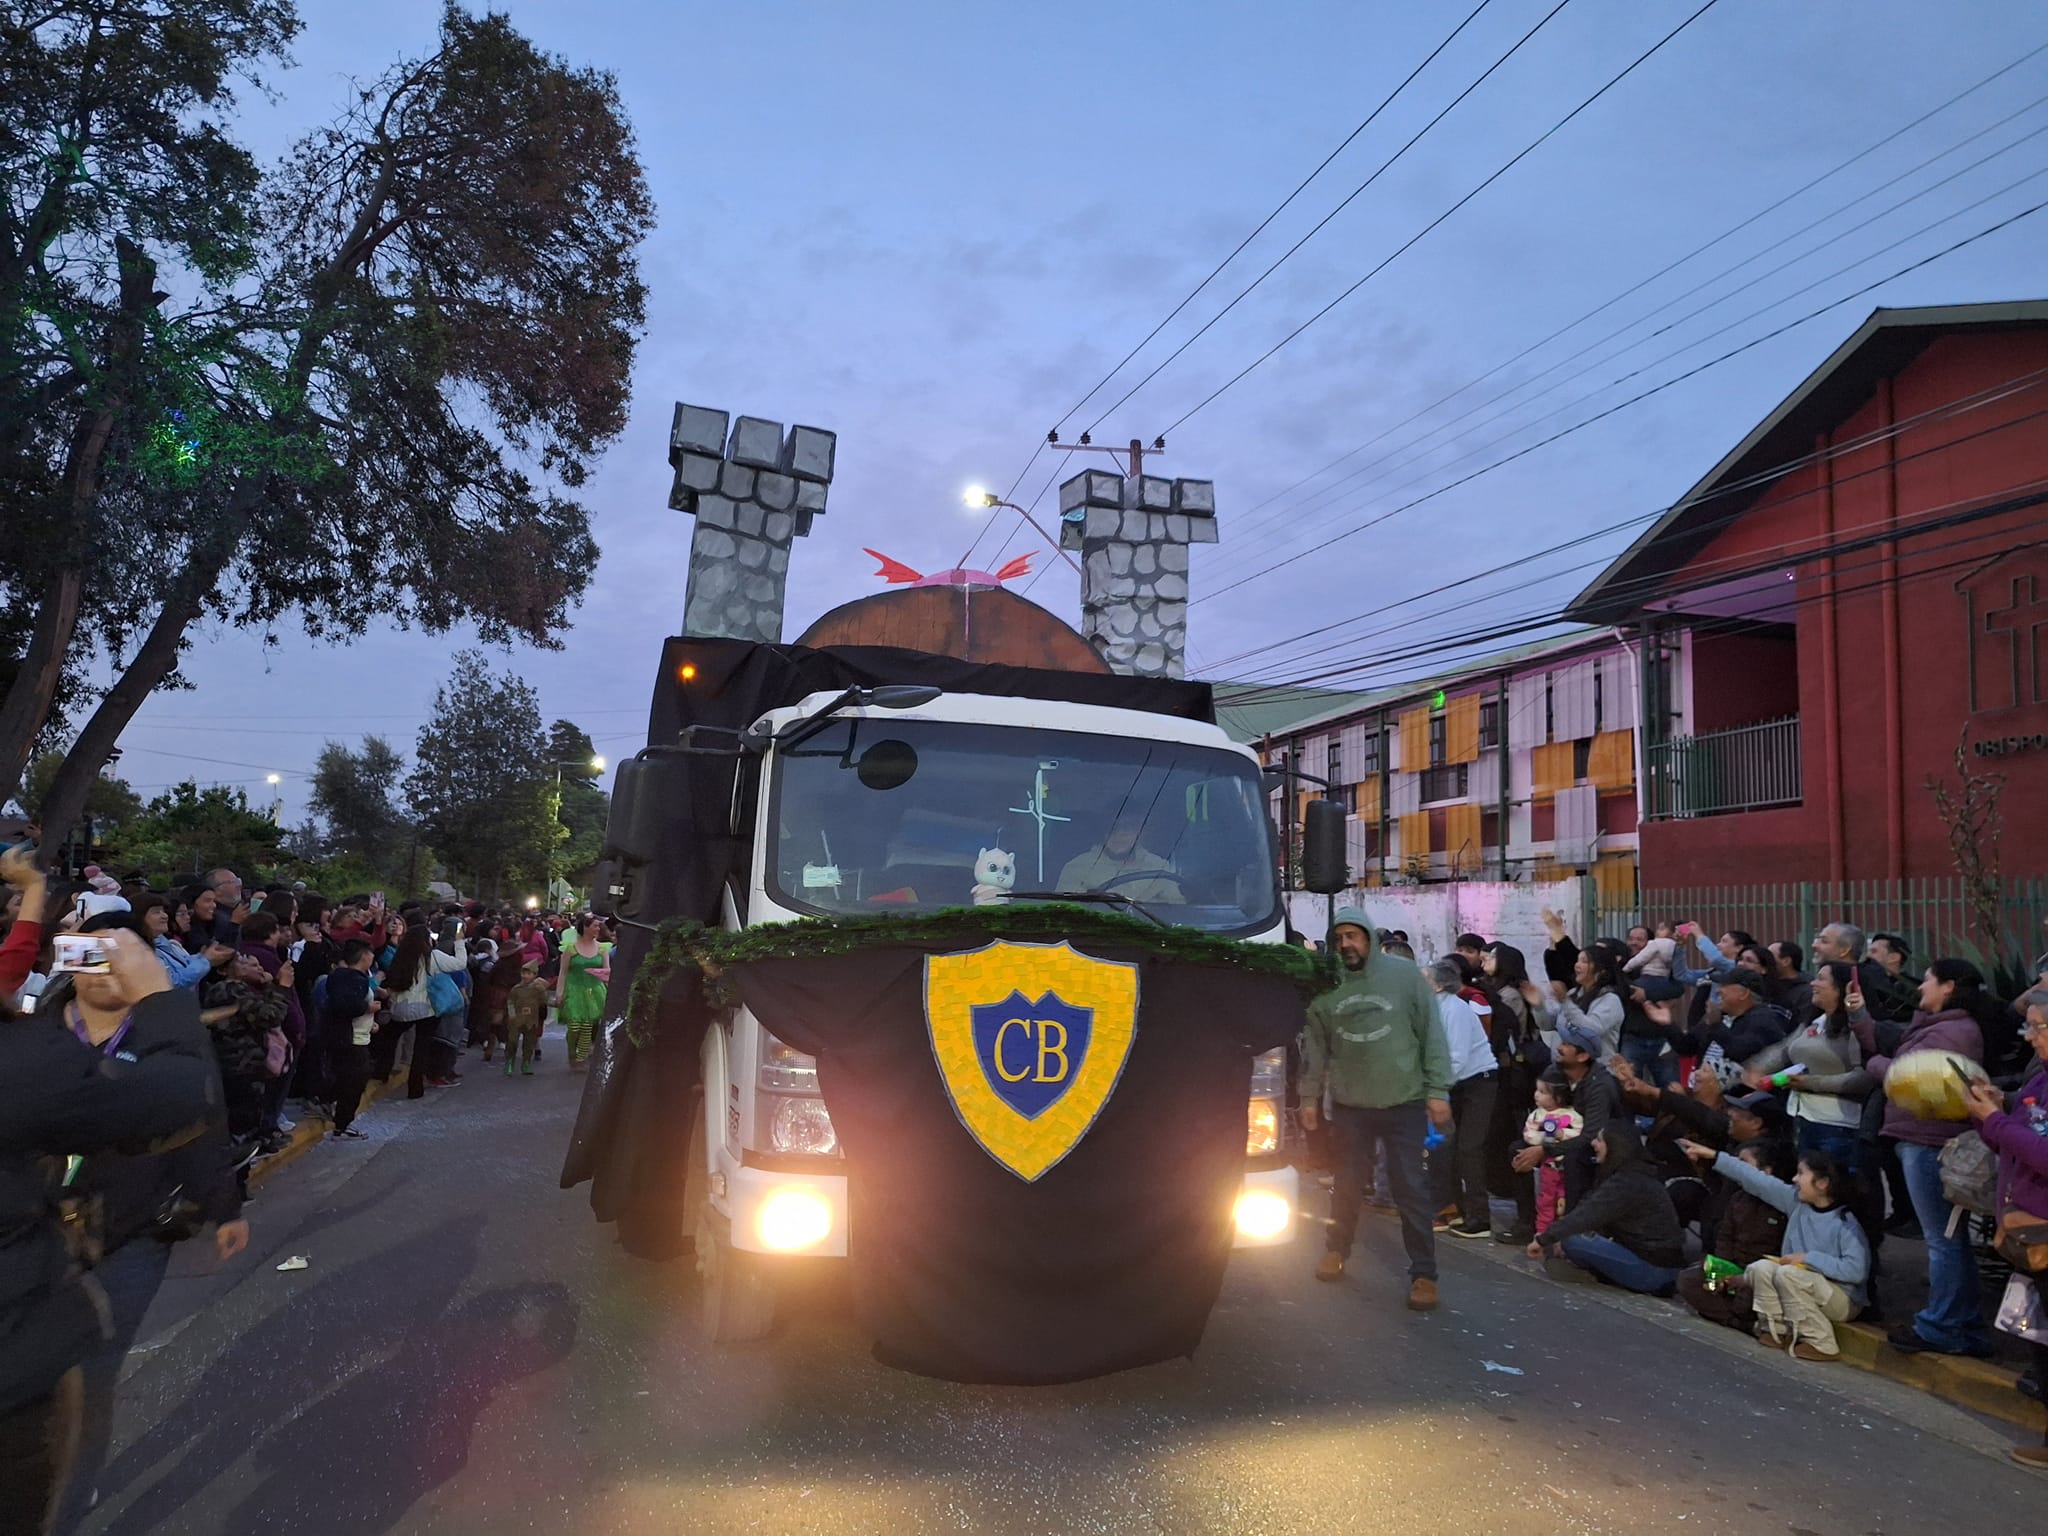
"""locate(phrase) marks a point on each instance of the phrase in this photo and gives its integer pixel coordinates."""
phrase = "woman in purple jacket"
(1953, 1008)
(2019, 1136)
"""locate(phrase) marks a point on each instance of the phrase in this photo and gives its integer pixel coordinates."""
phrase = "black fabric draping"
(1114, 1257)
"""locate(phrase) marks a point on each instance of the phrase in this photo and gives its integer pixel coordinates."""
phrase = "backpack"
(1969, 1174)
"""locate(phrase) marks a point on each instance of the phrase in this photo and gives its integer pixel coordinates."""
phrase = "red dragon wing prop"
(1021, 566)
(894, 572)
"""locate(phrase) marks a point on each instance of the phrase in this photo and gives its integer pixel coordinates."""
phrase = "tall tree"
(356, 794)
(478, 784)
(580, 806)
(441, 328)
(112, 157)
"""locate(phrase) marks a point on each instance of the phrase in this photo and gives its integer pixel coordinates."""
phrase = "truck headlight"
(793, 1218)
(1263, 1214)
(1262, 1128)
(802, 1125)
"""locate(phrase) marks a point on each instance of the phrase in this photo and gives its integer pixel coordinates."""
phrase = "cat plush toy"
(995, 874)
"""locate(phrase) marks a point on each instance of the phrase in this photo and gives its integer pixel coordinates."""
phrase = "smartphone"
(81, 954)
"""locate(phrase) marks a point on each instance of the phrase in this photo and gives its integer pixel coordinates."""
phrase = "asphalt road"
(469, 1352)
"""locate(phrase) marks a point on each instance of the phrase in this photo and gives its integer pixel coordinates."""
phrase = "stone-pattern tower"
(753, 492)
(1133, 532)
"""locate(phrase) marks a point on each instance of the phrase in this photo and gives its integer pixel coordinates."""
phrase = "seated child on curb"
(1820, 1279)
(526, 1009)
(1551, 1124)
(1748, 1229)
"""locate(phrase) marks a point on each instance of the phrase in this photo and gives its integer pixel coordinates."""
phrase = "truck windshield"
(909, 815)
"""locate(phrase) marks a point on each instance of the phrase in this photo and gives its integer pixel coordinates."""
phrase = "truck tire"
(735, 1290)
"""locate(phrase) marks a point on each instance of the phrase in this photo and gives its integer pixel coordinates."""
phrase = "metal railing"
(1745, 768)
(1935, 916)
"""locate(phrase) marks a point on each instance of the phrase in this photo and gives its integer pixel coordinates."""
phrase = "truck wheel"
(735, 1290)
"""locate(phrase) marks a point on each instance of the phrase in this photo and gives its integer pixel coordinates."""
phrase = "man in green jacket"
(1376, 1045)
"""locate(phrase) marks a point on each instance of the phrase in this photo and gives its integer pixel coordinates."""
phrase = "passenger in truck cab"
(1122, 864)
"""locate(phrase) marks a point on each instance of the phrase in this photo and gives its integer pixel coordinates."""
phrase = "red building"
(1858, 586)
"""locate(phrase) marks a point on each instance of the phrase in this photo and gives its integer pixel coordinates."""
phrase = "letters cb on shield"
(1030, 1040)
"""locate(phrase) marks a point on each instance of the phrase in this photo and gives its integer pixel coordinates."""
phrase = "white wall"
(1434, 915)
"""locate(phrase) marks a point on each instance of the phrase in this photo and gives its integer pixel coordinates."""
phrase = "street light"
(276, 798)
(981, 499)
(594, 765)
(533, 903)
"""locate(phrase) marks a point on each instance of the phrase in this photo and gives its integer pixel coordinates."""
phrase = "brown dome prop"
(972, 623)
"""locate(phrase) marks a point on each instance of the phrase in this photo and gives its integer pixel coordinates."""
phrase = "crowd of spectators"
(155, 1047)
(1708, 1119)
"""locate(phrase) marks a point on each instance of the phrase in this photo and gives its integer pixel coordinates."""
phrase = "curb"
(307, 1134)
(1969, 1383)
(1976, 1385)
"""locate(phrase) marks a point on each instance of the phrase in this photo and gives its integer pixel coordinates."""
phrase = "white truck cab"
(858, 808)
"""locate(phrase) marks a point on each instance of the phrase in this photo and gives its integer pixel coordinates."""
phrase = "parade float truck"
(944, 948)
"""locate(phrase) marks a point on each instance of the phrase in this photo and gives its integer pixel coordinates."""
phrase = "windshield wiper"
(1108, 898)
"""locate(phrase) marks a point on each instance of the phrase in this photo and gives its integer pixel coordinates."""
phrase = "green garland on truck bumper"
(680, 944)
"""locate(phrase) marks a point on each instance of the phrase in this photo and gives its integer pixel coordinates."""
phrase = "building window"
(1599, 699)
(1549, 710)
(1444, 782)
(1582, 756)
(1335, 771)
(1489, 723)
(1369, 768)
(1439, 738)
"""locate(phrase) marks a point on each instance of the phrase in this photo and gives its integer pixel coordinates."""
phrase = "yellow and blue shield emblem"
(1030, 1040)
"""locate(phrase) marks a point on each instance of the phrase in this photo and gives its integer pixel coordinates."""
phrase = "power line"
(1279, 209)
(2030, 495)
(1721, 330)
(1948, 409)
(1700, 624)
(1331, 494)
(1666, 270)
(1637, 398)
(1383, 167)
(1520, 155)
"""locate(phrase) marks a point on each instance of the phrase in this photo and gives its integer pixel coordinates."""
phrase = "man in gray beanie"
(1375, 1044)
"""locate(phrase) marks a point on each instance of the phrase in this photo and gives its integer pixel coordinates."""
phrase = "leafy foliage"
(190, 830)
(680, 944)
(111, 803)
(478, 785)
(377, 405)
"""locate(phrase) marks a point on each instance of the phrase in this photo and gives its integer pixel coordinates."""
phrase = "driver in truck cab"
(1121, 864)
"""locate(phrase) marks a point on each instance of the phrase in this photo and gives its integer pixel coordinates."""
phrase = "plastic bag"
(2023, 1312)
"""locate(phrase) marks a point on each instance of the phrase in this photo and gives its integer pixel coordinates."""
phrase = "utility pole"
(1137, 450)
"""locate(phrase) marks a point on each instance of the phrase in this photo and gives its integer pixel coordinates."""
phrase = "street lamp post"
(547, 867)
(981, 499)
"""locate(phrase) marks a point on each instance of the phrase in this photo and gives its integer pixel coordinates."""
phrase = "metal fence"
(1933, 915)
(1746, 768)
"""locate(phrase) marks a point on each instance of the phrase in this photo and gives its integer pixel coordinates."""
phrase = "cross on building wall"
(2020, 624)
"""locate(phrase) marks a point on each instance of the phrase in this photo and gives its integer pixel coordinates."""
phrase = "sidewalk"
(1983, 1386)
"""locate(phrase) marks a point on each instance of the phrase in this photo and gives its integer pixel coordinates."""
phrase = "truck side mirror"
(1324, 866)
(629, 831)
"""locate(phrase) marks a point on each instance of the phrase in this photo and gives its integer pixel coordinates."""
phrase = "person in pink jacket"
(2018, 1132)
